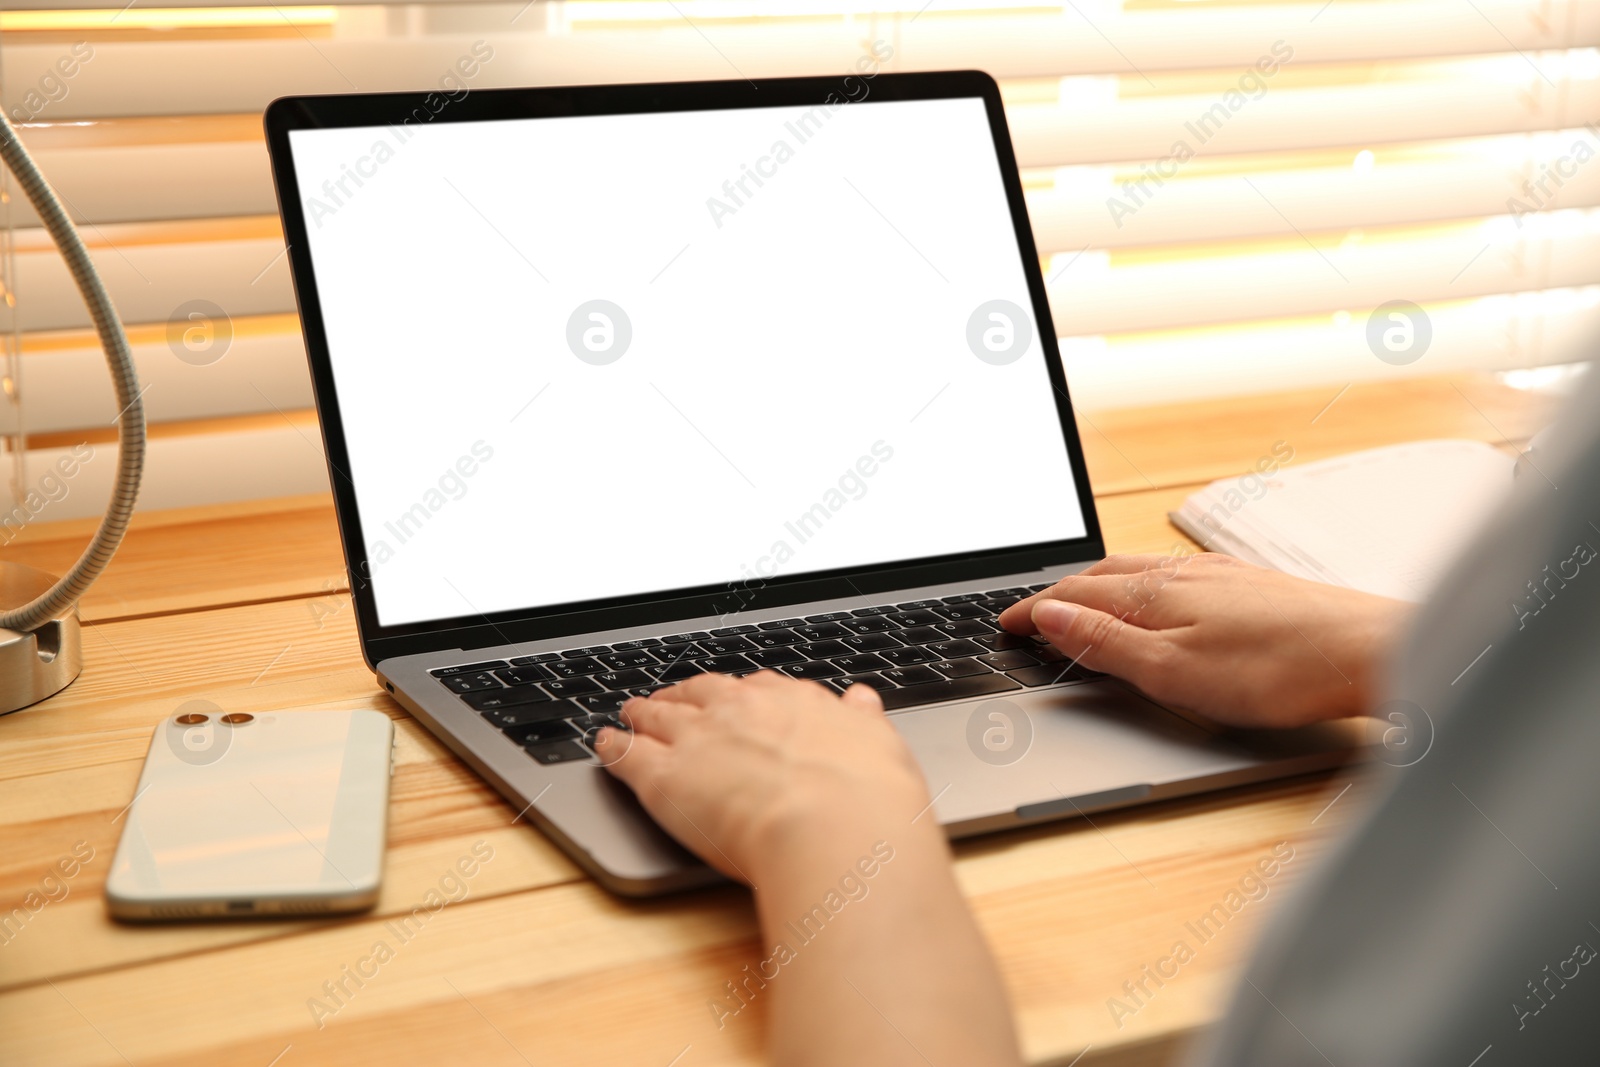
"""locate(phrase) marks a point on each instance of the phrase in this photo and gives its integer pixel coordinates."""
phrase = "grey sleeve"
(1457, 924)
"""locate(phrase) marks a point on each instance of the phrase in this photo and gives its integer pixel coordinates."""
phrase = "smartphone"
(240, 814)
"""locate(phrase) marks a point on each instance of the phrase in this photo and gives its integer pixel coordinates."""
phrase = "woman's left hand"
(755, 774)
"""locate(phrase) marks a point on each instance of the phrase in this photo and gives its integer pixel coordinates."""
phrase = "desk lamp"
(41, 645)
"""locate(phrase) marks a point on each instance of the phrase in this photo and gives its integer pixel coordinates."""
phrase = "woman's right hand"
(1239, 644)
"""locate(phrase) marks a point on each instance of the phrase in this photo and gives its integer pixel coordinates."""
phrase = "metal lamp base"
(43, 662)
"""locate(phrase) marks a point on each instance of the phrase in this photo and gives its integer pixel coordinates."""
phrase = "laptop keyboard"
(919, 652)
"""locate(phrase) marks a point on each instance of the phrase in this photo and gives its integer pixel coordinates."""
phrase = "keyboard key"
(681, 653)
(575, 668)
(870, 625)
(1041, 587)
(954, 649)
(824, 649)
(820, 631)
(910, 675)
(915, 618)
(829, 616)
(727, 646)
(1050, 674)
(963, 598)
(815, 670)
(1014, 593)
(623, 679)
(468, 668)
(877, 682)
(467, 683)
(523, 675)
(964, 628)
(643, 642)
(869, 642)
(646, 690)
(774, 657)
(550, 709)
(602, 702)
(1047, 653)
(777, 638)
(919, 635)
(1003, 642)
(570, 687)
(489, 699)
(1008, 661)
(679, 639)
(949, 689)
(958, 668)
(882, 609)
(618, 661)
(994, 607)
(558, 752)
(905, 657)
(674, 672)
(538, 733)
(542, 657)
(580, 653)
(781, 624)
(865, 663)
(730, 631)
(961, 611)
(726, 665)
(915, 605)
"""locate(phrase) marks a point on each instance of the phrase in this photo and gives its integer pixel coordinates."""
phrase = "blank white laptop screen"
(592, 357)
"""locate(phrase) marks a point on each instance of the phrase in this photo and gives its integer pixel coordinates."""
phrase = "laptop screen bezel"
(380, 642)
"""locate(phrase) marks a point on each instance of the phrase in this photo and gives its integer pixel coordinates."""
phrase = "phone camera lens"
(191, 719)
(238, 718)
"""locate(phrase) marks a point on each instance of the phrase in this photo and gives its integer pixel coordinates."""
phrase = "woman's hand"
(816, 801)
(1237, 643)
(753, 773)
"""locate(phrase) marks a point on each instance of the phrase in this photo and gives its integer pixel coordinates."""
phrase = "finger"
(1113, 594)
(1127, 564)
(703, 688)
(634, 758)
(661, 719)
(1098, 640)
(864, 697)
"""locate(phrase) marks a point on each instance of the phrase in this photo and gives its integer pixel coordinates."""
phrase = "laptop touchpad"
(1097, 744)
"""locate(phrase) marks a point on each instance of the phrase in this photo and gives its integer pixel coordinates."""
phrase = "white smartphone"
(240, 814)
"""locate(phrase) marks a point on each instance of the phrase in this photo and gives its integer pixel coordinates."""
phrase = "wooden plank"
(1136, 523)
(194, 558)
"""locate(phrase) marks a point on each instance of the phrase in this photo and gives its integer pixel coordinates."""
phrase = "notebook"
(1388, 521)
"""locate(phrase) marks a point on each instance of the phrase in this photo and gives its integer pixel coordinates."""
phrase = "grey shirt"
(1458, 924)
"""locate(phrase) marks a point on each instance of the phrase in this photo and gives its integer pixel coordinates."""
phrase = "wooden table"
(245, 606)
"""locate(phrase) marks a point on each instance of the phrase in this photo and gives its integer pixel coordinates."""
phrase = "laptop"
(621, 384)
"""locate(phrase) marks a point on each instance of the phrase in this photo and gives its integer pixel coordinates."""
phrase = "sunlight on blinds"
(1227, 194)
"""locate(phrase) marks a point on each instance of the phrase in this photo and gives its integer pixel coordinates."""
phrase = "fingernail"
(1054, 616)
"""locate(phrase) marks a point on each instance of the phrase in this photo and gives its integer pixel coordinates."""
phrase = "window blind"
(1224, 192)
